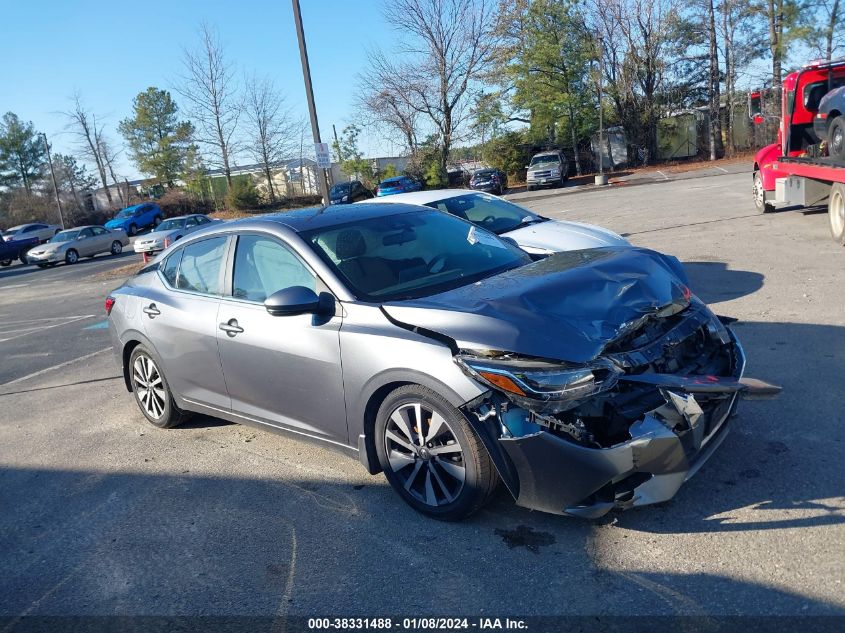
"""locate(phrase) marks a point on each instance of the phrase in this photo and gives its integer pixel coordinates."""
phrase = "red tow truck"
(794, 171)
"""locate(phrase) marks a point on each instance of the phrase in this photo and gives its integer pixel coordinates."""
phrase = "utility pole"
(601, 179)
(53, 175)
(309, 93)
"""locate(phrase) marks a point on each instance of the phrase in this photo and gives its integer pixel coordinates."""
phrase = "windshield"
(490, 212)
(170, 225)
(483, 173)
(340, 189)
(64, 236)
(126, 213)
(545, 160)
(411, 255)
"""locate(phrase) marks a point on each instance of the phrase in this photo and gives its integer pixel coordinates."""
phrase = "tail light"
(109, 304)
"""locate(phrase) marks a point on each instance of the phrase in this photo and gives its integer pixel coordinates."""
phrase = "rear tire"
(437, 464)
(836, 138)
(24, 259)
(157, 220)
(116, 248)
(836, 212)
(6, 262)
(71, 257)
(759, 193)
(151, 391)
(132, 230)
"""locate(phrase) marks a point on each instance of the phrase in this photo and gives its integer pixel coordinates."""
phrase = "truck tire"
(836, 138)
(760, 195)
(836, 212)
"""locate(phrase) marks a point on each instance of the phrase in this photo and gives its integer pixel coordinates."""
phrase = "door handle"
(152, 311)
(231, 328)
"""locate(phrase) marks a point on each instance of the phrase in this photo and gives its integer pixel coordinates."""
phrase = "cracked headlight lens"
(559, 384)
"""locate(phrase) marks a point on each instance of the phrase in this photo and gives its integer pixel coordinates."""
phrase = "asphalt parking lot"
(101, 513)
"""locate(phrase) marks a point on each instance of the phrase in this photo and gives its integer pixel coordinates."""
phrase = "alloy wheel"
(425, 454)
(148, 385)
(837, 141)
(72, 257)
(116, 248)
(758, 191)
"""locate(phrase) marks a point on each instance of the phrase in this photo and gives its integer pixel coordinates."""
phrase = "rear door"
(102, 239)
(85, 242)
(180, 318)
(281, 370)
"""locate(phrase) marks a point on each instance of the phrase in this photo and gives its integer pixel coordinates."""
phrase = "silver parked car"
(27, 231)
(535, 234)
(83, 241)
(438, 353)
(168, 232)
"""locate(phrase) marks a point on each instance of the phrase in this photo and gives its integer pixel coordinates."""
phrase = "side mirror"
(298, 300)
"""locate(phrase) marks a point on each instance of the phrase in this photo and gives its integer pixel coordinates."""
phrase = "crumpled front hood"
(554, 236)
(567, 307)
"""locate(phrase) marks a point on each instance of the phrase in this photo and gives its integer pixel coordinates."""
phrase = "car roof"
(301, 220)
(422, 197)
(84, 226)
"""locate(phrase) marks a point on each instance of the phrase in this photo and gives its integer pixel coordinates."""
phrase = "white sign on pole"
(324, 156)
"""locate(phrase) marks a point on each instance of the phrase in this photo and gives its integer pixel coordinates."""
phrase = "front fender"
(763, 161)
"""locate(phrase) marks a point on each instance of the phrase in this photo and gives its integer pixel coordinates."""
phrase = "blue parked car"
(133, 219)
(398, 184)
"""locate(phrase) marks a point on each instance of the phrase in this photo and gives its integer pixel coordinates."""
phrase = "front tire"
(71, 257)
(151, 391)
(24, 259)
(836, 138)
(759, 192)
(431, 456)
(132, 230)
(116, 248)
(836, 212)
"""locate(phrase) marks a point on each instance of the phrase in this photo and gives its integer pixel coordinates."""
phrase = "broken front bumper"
(667, 446)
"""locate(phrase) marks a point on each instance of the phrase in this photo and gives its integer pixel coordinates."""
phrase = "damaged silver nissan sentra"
(440, 354)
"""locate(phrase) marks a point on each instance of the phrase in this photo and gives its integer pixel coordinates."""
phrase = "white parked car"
(27, 231)
(533, 233)
(168, 232)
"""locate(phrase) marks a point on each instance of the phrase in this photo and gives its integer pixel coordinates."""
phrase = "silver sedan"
(438, 353)
(83, 241)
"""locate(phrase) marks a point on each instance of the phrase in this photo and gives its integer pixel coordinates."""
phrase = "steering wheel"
(437, 264)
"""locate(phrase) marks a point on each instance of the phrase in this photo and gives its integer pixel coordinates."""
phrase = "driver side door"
(283, 371)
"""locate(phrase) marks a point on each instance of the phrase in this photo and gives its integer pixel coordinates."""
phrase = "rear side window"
(263, 266)
(199, 270)
(171, 266)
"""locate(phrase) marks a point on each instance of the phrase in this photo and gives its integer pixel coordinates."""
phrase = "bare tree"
(83, 124)
(385, 108)
(209, 86)
(272, 131)
(449, 45)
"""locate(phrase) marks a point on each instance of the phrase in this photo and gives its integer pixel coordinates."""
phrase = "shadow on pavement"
(144, 543)
(18, 270)
(714, 282)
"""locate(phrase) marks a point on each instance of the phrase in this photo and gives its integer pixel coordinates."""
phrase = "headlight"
(344, 199)
(559, 386)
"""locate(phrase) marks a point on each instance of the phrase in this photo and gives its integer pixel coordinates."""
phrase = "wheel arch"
(133, 340)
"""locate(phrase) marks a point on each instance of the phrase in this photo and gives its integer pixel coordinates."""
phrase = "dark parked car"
(829, 122)
(489, 180)
(349, 192)
(438, 353)
(399, 184)
(16, 249)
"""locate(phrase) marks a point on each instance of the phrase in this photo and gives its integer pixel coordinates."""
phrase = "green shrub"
(243, 194)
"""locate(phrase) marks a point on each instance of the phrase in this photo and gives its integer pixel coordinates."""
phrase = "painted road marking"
(41, 372)
(47, 327)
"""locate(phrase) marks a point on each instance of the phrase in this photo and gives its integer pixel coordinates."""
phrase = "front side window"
(412, 255)
(86, 233)
(99, 231)
(263, 266)
(199, 270)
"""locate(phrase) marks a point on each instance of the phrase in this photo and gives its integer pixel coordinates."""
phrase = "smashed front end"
(624, 430)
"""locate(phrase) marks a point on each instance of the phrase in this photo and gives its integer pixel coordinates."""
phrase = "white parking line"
(47, 327)
(41, 372)
(665, 177)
